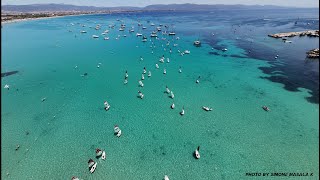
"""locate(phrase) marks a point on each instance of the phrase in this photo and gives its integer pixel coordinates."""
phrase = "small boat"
(98, 152)
(153, 35)
(144, 40)
(140, 94)
(172, 106)
(168, 60)
(197, 43)
(126, 76)
(149, 74)
(95, 36)
(117, 131)
(161, 60)
(75, 178)
(43, 99)
(83, 31)
(144, 27)
(171, 95)
(172, 33)
(106, 38)
(206, 108)
(152, 24)
(224, 49)
(93, 168)
(182, 112)
(106, 106)
(167, 90)
(103, 156)
(138, 34)
(140, 83)
(187, 52)
(265, 108)
(166, 177)
(125, 81)
(141, 59)
(197, 81)
(7, 86)
(131, 30)
(158, 28)
(157, 66)
(164, 71)
(180, 71)
(121, 29)
(196, 152)
(142, 77)
(144, 70)
(90, 163)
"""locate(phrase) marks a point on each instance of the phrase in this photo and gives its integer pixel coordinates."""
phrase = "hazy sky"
(141, 3)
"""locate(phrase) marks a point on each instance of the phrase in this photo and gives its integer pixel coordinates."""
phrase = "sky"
(142, 3)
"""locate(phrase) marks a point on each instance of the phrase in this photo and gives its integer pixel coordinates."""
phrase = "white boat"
(168, 60)
(224, 49)
(166, 177)
(106, 106)
(149, 74)
(167, 90)
(172, 106)
(161, 60)
(75, 178)
(98, 152)
(144, 40)
(197, 43)
(103, 156)
(158, 28)
(152, 24)
(144, 27)
(207, 108)
(140, 83)
(171, 94)
(180, 71)
(6, 86)
(187, 52)
(93, 168)
(131, 30)
(90, 163)
(157, 66)
(144, 70)
(125, 81)
(121, 29)
(196, 152)
(140, 94)
(172, 33)
(117, 131)
(153, 35)
(106, 38)
(142, 77)
(164, 71)
(138, 34)
(182, 112)
(95, 36)
(197, 81)
(126, 76)
(83, 31)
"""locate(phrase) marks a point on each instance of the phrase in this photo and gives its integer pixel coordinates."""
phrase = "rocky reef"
(314, 53)
(311, 33)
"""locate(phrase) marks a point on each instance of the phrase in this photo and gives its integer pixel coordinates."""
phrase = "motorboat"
(172, 33)
(121, 29)
(106, 106)
(171, 95)
(196, 152)
(103, 156)
(177, 38)
(117, 131)
(83, 31)
(158, 28)
(106, 38)
(168, 90)
(95, 36)
(172, 106)
(149, 74)
(140, 83)
(144, 70)
(138, 34)
(144, 27)
(131, 30)
(75, 178)
(180, 71)
(125, 81)
(142, 77)
(126, 76)
(141, 59)
(144, 40)
(144, 37)
(140, 94)
(207, 108)
(168, 60)
(197, 81)
(164, 71)
(161, 60)
(91, 163)
(7, 86)
(182, 112)
(187, 52)
(166, 177)
(157, 66)
(153, 35)
(93, 168)
(152, 24)
(265, 108)
(197, 43)
(98, 152)
(224, 49)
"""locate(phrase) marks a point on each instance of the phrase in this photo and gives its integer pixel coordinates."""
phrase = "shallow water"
(237, 137)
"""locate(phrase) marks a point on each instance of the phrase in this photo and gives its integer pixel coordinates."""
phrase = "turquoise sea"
(58, 136)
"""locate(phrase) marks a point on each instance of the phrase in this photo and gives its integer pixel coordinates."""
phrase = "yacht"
(153, 35)
(92, 165)
(144, 27)
(196, 152)
(98, 152)
(265, 108)
(103, 156)
(207, 108)
(171, 94)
